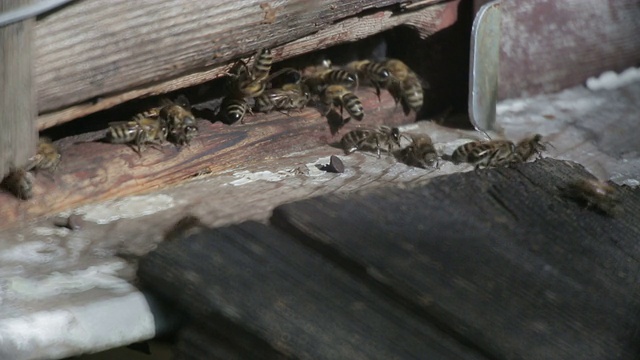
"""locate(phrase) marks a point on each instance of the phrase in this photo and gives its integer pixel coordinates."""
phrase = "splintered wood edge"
(426, 21)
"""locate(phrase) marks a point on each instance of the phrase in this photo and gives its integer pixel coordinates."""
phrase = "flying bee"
(338, 95)
(527, 147)
(420, 153)
(233, 109)
(371, 139)
(20, 183)
(376, 73)
(181, 123)
(288, 97)
(594, 194)
(46, 157)
(485, 153)
(404, 84)
(140, 130)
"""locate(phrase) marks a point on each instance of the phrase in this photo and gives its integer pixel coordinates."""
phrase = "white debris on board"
(246, 177)
(96, 325)
(103, 276)
(610, 80)
(126, 208)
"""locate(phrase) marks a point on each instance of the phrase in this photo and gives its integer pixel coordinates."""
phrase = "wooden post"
(17, 97)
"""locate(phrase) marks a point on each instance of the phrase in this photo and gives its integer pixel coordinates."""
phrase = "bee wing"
(122, 123)
(182, 101)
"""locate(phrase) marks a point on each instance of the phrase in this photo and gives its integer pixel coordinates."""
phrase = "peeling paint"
(102, 276)
(246, 177)
(610, 80)
(126, 208)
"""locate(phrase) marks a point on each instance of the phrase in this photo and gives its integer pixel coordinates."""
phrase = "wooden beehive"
(90, 58)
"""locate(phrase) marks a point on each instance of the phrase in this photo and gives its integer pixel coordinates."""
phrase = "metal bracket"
(485, 60)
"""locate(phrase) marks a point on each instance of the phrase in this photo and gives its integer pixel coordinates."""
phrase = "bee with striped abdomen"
(339, 96)
(374, 72)
(234, 109)
(404, 84)
(373, 139)
(485, 153)
(288, 97)
(180, 122)
(141, 130)
(420, 153)
(318, 81)
(251, 81)
(594, 194)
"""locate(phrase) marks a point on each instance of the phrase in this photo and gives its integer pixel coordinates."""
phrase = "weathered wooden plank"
(496, 256)
(192, 39)
(562, 43)
(17, 95)
(92, 171)
(255, 278)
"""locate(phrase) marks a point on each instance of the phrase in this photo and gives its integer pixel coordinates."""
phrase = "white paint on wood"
(126, 208)
(610, 80)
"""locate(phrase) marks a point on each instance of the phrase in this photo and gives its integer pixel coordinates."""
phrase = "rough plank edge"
(378, 22)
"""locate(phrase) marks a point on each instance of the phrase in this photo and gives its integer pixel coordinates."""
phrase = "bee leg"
(378, 148)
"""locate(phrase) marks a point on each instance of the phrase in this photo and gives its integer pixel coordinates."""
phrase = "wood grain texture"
(495, 256)
(251, 281)
(550, 45)
(17, 95)
(88, 50)
(92, 171)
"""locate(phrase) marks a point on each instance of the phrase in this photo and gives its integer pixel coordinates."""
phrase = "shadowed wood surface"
(495, 258)
(17, 94)
(188, 43)
(499, 256)
(261, 281)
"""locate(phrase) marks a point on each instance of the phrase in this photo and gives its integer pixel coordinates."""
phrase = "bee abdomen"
(340, 77)
(413, 94)
(233, 110)
(353, 105)
(262, 64)
(121, 134)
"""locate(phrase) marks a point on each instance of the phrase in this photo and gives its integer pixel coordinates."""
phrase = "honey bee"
(594, 194)
(376, 73)
(181, 124)
(288, 97)
(485, 153)
(141, 130)
(321, 79)
(46, 157)
(338, 95)
(233, 109)
(421, 153)
(527, 147)
(404, 84)
(371, 139)
(252, 81)
(20, 183)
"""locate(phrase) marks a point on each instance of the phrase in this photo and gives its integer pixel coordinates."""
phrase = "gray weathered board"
(495, 259)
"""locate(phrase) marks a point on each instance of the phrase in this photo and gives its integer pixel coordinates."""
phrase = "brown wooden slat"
(97, 171)
(496, 256)
(17, 95)
(254, 277)
(90, 50)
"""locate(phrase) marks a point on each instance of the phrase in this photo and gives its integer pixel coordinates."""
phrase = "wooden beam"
(145, 57)
(17, 98)
(92, 171)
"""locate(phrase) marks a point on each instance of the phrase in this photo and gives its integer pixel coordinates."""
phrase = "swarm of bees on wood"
(250, 89)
